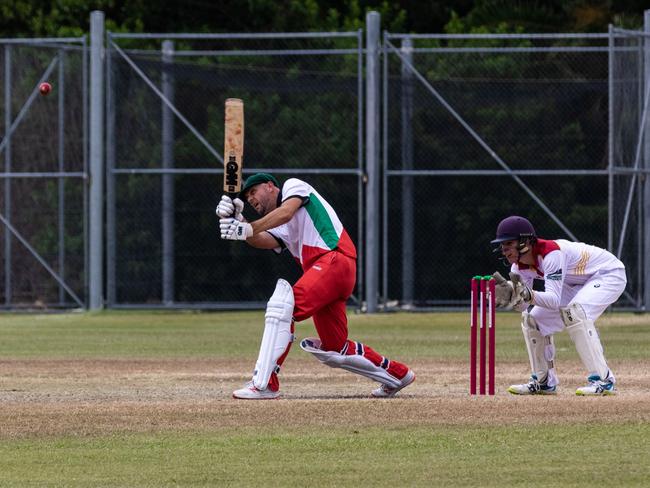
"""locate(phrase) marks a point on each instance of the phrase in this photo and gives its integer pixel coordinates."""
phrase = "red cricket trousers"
(322, 293)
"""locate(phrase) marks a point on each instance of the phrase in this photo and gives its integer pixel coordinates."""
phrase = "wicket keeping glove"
(230, 208)
(521, 290)
(235, 230)
(503, 291)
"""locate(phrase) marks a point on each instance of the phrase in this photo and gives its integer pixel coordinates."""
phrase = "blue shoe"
(597, 387)
(533, 387)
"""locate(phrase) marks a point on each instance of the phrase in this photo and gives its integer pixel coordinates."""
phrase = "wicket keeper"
(580, 282)
(296, 218)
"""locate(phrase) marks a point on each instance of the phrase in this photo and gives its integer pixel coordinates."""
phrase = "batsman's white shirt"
(573, 272)
(315, 229)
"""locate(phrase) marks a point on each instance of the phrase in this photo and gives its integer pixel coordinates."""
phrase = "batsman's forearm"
(262, 241)
(274, 219)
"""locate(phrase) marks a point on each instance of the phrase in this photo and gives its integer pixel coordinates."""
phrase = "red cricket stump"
(483, 325)
(472, 336)
(492, 334)
(483, 339)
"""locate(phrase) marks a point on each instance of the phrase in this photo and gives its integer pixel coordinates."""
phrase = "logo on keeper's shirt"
(555, 275)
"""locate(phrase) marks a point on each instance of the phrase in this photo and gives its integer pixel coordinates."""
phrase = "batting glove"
(235, 230)
(230, 208)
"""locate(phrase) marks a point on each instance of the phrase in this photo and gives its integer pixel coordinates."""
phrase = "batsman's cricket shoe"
(597, 387)
(385, 391)
(533, 387)
(249, 392)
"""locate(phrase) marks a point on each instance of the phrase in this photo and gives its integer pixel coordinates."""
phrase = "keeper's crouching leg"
(584, 335)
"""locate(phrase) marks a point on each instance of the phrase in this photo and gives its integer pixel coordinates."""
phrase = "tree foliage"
(28, 18)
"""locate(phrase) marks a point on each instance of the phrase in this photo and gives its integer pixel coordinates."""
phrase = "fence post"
(96, 262)
(167, 179)
(7, 182)
(407, 181)
(61, 167)
(372, 160)
(610, 140)
(646, 164)
(111, 194)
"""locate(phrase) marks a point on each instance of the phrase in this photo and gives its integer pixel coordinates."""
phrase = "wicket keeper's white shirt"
(315, 229)
(564, 263)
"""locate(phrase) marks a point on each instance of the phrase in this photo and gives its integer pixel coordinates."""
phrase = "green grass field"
(143, 399)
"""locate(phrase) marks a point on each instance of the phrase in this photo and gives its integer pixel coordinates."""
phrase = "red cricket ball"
(45, 88)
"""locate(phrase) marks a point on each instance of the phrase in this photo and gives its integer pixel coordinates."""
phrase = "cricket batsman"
(580, 282)
(296, 218)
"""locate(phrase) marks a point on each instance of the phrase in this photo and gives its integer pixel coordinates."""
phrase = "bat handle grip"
(232, 196)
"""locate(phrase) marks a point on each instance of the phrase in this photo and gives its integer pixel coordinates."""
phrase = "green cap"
(256, 179)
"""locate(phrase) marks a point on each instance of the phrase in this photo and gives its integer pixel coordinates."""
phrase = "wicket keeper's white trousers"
(598, 293)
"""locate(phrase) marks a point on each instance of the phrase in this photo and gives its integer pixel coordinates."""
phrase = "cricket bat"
(233, 151)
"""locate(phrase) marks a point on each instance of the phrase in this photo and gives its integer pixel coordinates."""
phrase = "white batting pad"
(584, 335)
(354, 363)
(536, 347)
(277, 333)
(549, 355)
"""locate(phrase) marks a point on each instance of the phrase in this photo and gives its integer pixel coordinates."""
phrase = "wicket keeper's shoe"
(385, 391)
(597, 387)
(533, 387)
(249, 392)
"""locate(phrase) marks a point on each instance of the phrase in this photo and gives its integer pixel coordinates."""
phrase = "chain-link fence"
(473, 128)
(42, 190)
(479, 127)
(303, 117)
(630, 157)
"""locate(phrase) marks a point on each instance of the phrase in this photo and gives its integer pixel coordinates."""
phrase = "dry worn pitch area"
(93, 397)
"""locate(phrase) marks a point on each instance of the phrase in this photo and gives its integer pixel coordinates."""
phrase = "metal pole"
(86, 158)
(638, 245)
(7, 182)
(361, 277)
(610, 153)
(96, 271)
(111, 241)
(61, 183)
(385, 250)
(372, 160)
(646, 160)
(168, 179)
(407, 181)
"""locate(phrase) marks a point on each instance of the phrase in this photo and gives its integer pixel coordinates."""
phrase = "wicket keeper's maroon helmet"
(514, 228)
